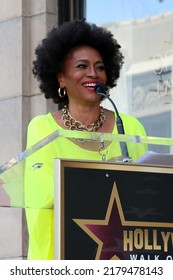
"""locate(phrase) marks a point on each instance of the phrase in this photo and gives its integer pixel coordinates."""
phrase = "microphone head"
(100, 88)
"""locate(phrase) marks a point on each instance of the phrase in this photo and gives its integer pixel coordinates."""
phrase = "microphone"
(100, 88)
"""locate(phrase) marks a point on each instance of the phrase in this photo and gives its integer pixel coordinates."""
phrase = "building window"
(70, 10)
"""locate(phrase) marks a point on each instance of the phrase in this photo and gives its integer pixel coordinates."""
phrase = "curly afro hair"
(52, 51)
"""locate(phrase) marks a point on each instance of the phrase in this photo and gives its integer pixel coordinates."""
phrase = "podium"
(103, 209)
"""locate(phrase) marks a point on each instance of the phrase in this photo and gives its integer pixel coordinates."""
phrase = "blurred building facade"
(146, 87)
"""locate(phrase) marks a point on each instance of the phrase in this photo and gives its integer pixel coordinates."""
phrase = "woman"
(70, 61)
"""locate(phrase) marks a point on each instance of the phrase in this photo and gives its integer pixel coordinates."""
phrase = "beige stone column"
(23, 23)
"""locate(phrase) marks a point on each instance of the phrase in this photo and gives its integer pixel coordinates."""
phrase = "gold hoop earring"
(62, 92)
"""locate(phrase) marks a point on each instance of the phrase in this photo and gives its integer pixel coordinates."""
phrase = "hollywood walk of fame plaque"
(113, 211)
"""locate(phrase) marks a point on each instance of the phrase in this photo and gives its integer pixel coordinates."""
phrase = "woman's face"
(83, 69)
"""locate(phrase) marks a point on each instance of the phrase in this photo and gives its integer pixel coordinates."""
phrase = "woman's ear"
(60, 78)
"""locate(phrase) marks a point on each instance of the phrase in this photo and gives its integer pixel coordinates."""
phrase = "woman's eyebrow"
(86, 60)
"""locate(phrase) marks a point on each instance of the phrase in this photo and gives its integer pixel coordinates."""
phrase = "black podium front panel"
(115, 211)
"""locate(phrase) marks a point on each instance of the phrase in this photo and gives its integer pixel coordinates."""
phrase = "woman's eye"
(81, 66)
(101, 67)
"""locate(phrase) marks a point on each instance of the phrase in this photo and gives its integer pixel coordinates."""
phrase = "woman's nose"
(92, 71)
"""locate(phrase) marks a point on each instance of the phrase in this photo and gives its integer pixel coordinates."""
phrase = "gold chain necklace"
(72, 124)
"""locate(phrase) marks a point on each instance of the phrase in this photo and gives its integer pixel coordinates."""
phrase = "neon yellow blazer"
(39, 182)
